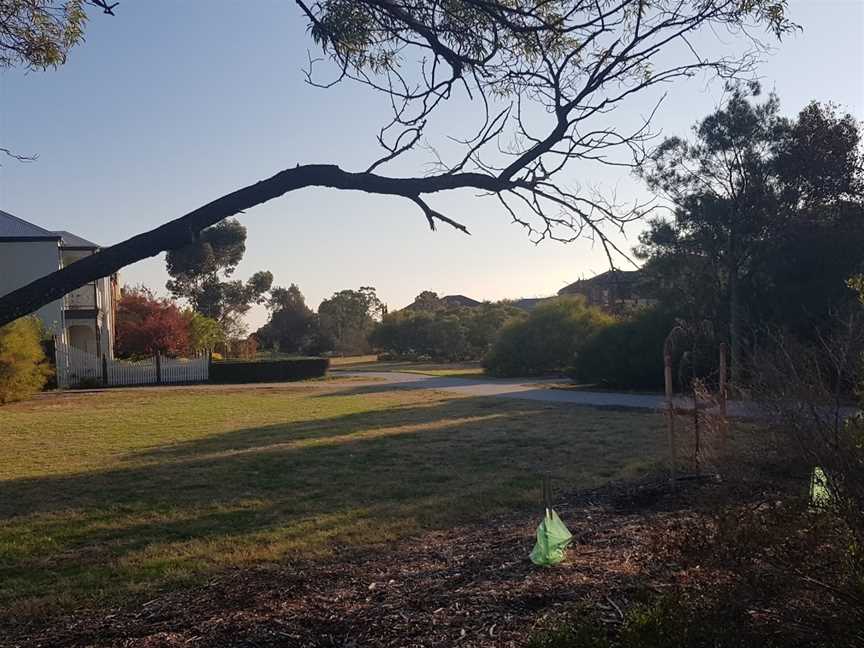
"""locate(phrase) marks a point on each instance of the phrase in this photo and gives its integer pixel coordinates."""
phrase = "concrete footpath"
(528, 389)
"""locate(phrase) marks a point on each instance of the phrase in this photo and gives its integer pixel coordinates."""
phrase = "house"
(611, 290)
(85, 318)
(459, 301)
(429, 300)
(528, 303)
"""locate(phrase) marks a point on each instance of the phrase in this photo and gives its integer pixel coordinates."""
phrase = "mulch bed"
(471, 586)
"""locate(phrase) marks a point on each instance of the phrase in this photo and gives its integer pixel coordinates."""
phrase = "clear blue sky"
(171, 104)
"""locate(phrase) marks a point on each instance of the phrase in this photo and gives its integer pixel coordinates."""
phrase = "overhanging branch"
(183, 230)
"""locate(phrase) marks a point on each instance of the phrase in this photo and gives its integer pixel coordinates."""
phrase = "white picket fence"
(76, 368)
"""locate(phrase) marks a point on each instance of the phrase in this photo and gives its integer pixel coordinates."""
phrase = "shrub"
(24, 369)
(547, 340)
(147, 325)
(204, 332)
(628, 354)
(268, 370)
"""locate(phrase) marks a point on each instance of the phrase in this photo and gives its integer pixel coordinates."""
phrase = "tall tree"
(758, 200)
(195, 271)
(426, 301)
(540, 78)
(347, 318)
(292, 327)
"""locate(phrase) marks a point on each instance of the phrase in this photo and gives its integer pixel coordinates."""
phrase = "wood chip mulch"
(470, 586)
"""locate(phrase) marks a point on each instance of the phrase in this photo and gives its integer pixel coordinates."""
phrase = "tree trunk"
(734, 328)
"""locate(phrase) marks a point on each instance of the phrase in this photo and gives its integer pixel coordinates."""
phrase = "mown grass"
(441, 369)
(111, 496)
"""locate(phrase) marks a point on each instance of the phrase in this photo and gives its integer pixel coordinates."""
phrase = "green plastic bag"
(820, 496)
(553, 538)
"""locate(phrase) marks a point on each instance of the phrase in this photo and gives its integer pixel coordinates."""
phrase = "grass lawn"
(443, 369)
(111, 496)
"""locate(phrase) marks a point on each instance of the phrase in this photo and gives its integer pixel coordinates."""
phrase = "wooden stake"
(722, 395)
(670, 417)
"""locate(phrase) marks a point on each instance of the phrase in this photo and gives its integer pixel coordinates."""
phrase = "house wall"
(97, 297)
(24, 261)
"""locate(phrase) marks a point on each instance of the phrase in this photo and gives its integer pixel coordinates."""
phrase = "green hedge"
(268, 370)
(548, 340)
(628, 354)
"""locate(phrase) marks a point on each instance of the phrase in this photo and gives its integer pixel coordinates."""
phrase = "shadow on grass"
(180, 511)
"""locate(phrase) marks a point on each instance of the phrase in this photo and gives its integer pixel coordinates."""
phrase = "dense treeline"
(432, 328)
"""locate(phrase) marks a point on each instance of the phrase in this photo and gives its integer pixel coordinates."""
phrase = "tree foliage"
(548, 340)
(346, 319)
(197, 271)
(204, 333)
(39, 33)
(627, 354)
(431, 329)
(24, 369)
(768, 216)
(292, 327)
(147, 325)
(539, 80)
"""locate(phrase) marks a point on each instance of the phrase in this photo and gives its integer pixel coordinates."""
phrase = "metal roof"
(73, 240)
(12, 227)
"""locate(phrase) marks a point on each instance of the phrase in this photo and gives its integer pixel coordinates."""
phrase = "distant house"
(611, 290)
(458, 301)
(85, 318)
(430, 300)
(528, 303)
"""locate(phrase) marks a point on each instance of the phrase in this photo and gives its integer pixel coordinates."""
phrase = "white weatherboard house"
(83, 319)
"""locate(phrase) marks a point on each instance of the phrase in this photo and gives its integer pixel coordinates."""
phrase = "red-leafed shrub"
(147, 325)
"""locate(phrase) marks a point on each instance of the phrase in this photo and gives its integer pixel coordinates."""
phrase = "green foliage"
(548, 340)
(197, 272)
(431, 329)
(769, 218)
(204, 332)
(268, 370)
(24, 369)
(627, 354)
(293, 327)
(347, 319)
(38, 34)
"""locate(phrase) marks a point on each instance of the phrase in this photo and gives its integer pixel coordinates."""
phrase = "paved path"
(537, 390)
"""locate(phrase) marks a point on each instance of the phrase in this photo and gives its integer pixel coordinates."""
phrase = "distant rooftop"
(459, 300)
(12, 227)
(610, 277)
(529, 303)
(73, 240)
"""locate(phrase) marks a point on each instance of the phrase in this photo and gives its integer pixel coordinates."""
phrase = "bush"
(268, 370)
(548, 340)
(147, 325)
(24, 369)
(628, 354)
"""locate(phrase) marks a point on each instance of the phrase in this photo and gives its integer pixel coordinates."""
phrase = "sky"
(169, 105)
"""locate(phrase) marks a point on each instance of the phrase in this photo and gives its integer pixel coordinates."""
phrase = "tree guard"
(553, 536)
